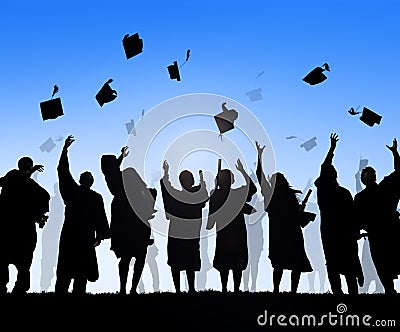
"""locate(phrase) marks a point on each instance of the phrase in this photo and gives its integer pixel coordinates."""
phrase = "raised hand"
(239, 166)
(334, 139)
(68, 141)
(393, 148)
(201, 176)
(39, 168)
(260, 149)
(124, 152)
(166, 166)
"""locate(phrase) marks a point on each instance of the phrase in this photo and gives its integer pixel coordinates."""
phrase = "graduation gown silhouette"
(22, 202)
(339, 225)
(85, 221)
(184, 211)
(376, 208)
(226, 211)
(130, 232)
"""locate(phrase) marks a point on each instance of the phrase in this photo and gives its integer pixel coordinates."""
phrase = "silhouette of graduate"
(339, 228)
(85, 226)
(183, 209)
(227, 208)
(376, 208)
(129, 227)
(286, 242)
(23, 204)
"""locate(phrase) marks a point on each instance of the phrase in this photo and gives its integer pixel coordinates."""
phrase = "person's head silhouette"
(225, 179)
(86, 179)
(25, 164)
(186, 179)
(368, 176)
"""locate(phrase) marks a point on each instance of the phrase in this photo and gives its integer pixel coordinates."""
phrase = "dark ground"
(209, 310)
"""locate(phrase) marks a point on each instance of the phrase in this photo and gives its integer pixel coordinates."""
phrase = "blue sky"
(78, 46)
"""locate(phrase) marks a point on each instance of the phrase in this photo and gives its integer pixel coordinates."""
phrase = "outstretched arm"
(252, 189)
(329, 157)
(66, 181)
(266, 189)
(124, 154)
(396, 157)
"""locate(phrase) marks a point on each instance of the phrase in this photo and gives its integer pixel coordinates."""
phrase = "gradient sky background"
(78, 46)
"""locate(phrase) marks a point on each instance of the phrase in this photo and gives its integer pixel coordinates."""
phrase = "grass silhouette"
(202, 310)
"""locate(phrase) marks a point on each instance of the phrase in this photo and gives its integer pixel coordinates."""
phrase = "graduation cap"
(260, 74)
(130, 127)
(133, 45)
(225, 120)
(173, 71)
(255, 95)
(316, 75)
(106, 94)
(308, 145)
(369, 117)
(52, 108)
(48, 145)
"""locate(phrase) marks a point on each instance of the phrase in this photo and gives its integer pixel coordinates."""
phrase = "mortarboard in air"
(130, 127)
(173, 71)
(106, 94)
(52, 108)
(369, 117)
(133, 45)
(225, 120)
(316, 75)
(48, 145)
(260, 74)
(291, 137)
(255, 95)
(308, 145)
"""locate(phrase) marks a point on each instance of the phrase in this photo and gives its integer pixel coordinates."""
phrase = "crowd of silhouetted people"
(76, 222)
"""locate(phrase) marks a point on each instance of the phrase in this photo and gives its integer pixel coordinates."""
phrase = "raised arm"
(67, 183)
(124, 154)
(396, 157)
(252, 189)
(329, 157)
(266, 189)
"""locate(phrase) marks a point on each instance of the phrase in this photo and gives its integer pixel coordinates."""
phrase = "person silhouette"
(85, 226)
(50, 238)
(370, 274)
(255, 240)
(376, 208)
(286, 242)
(131, 209)
(339, 228)
(23, 204)
(183, 209)
(227, 207)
